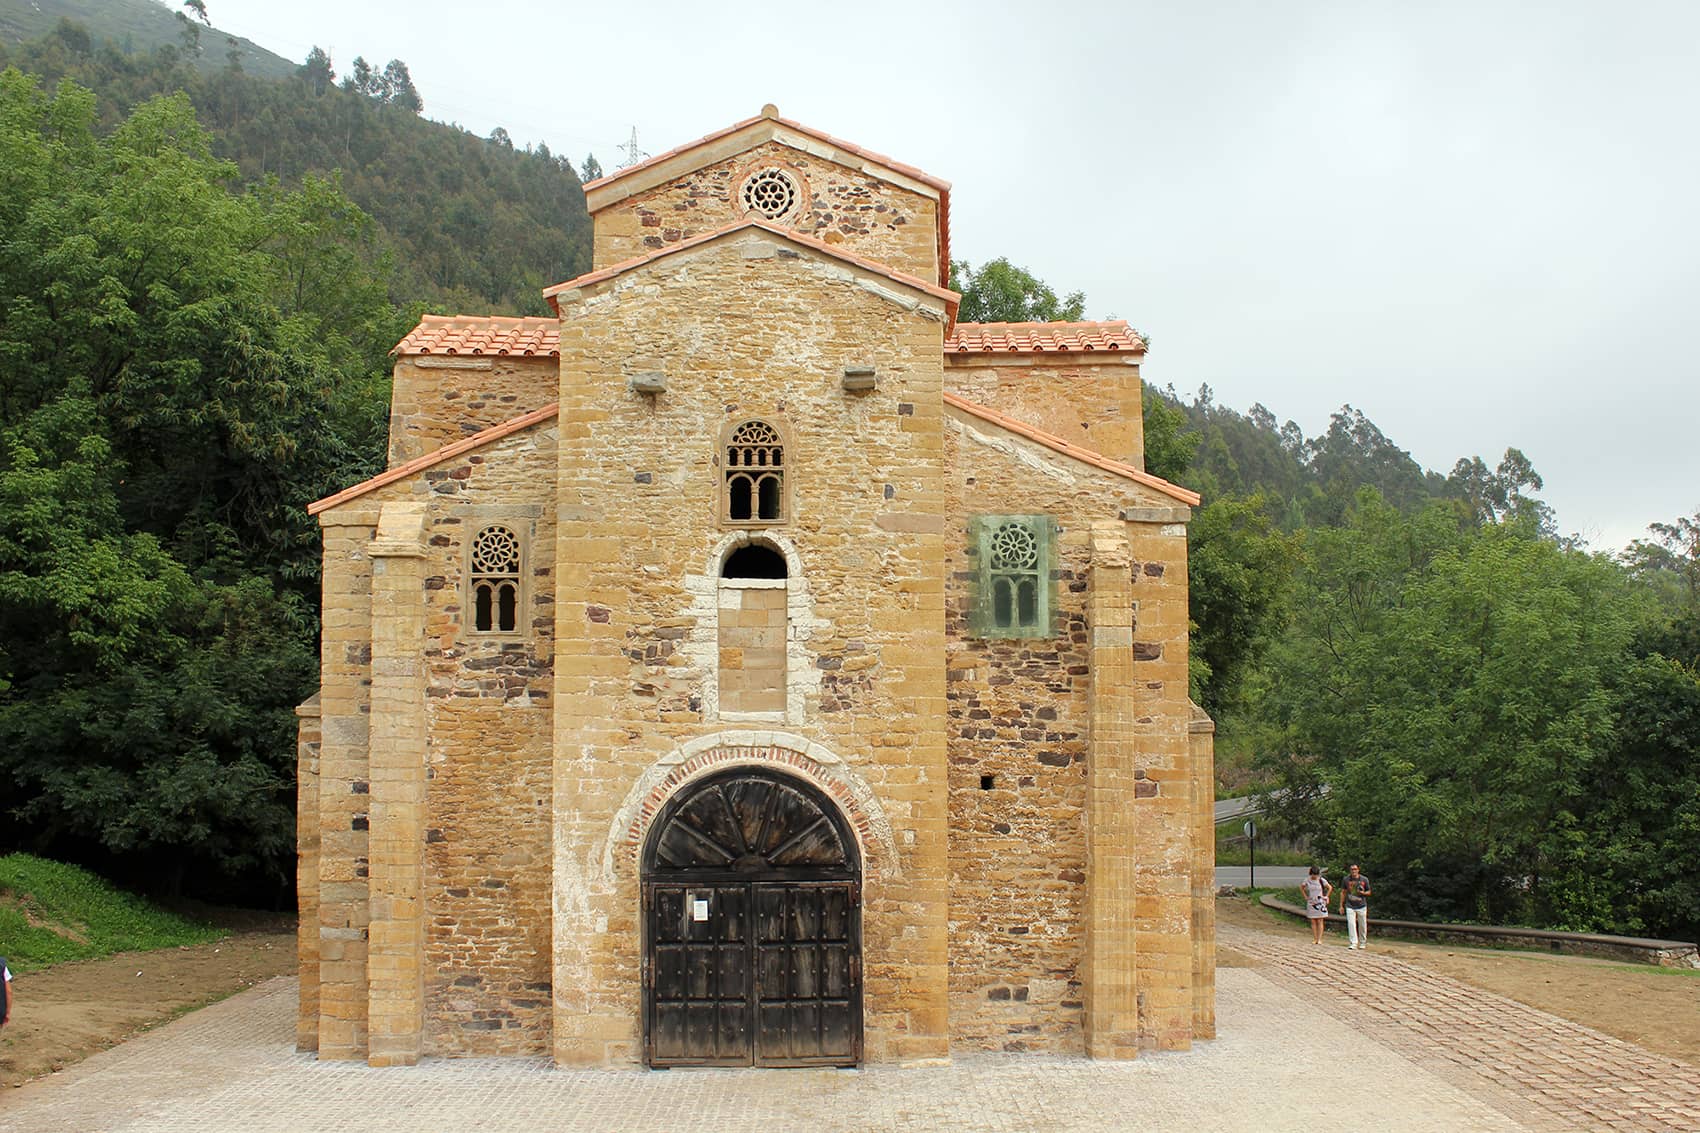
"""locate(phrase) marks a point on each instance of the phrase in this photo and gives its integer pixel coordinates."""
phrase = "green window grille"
(1013, 593)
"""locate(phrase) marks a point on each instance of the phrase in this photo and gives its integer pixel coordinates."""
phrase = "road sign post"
(1251, 840)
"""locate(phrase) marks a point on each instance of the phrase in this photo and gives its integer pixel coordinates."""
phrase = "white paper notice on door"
(699, 908)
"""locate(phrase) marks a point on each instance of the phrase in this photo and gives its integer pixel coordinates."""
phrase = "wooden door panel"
(700, 990)
(806, 983)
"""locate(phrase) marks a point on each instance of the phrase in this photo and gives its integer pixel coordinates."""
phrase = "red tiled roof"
(483, 334)
(772, 114)
(838, 253)
(1113, 337)
(1069, 448)
(430, 459)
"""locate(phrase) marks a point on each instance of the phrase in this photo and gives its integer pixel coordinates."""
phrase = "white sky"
(1477, 222)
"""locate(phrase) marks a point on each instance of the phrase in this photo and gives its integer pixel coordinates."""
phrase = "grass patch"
(51, 912)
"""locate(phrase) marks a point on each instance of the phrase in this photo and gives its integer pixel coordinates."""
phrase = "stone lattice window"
(772, 193)
(1013, 591)
(495, 580)
(755, 474)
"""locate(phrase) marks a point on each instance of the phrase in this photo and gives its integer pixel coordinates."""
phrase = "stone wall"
(1020, 719)
(1092, 400)
(345, 658)
(485, 706)
(860, 212)
(308, 733)
(438, 400)
(767, 330)
(752, 645)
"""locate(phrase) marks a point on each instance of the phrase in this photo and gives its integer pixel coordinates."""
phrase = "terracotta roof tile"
(1069, 448)
(1114, 337)
(838, 253)
(483, 334)
(430, 459)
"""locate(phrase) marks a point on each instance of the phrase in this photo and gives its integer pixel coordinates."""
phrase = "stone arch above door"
(789, 754)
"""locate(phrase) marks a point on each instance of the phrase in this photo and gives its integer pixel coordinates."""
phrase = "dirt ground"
(67, 1012)
(1656, 1008)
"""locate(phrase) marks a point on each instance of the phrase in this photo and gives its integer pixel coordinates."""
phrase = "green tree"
(396, 83)
(1240, 568)
(186, 369)
(317, 73)
(1451, 686)
(1170, 446)
(1670, 561)
(1000, 292)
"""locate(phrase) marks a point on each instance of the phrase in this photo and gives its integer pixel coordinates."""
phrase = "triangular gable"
(431, 459)
(765, 127)
(913, 283)
(1070, 449)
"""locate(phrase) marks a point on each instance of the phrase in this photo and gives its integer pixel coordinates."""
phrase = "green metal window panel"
(1013, 594)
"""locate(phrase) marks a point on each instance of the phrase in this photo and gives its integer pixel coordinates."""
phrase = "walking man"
(1354, 898)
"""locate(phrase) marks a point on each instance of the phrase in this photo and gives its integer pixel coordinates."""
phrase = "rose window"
(771, 192)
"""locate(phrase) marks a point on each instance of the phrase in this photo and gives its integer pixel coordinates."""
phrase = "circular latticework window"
(771, 192)
(1014, 548)
(496, 551)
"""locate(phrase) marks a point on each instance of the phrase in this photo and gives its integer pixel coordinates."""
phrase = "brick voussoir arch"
(780, 751)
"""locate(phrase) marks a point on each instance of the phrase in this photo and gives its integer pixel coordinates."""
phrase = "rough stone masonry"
(751, 519)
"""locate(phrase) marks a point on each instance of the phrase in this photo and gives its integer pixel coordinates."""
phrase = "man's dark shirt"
(1356, 887)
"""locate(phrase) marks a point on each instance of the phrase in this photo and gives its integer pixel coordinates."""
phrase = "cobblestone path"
(1547, 1073)
(1426, 1055)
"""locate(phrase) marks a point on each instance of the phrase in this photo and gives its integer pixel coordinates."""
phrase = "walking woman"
(1316, 892)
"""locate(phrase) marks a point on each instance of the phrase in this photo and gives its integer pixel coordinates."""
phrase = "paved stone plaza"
(1427, 1053)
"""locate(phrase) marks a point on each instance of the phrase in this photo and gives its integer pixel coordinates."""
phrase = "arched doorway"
(752, 926)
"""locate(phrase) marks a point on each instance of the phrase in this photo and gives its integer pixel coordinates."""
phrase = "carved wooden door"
(752, 918)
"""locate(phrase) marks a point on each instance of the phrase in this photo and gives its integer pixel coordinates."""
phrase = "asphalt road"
(1267, 875)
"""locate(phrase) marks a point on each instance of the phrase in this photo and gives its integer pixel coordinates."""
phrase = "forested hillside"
(466, 223)
(140, 26)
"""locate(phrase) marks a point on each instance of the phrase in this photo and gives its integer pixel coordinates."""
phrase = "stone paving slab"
(231, 1067)
(1547, 1072)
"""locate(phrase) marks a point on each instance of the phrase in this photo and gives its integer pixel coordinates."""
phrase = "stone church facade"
(753, 664)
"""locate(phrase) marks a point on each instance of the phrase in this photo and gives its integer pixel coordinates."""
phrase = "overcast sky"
(1479, 223)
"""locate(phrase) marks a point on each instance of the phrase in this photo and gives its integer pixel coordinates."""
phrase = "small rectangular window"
(1013, 594)
(493, 578)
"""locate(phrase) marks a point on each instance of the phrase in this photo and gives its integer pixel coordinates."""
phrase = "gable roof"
(1070, 449)
(1113, 336)
(764, 127)
(483, 334)
(602, 275)
(431, 459)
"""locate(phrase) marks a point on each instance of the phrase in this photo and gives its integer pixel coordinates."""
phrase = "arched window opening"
(739, 490)
(755, 474)
(1027, 602)
(768, 506)
(495, 581)
(1001, 603)
(754, 561)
